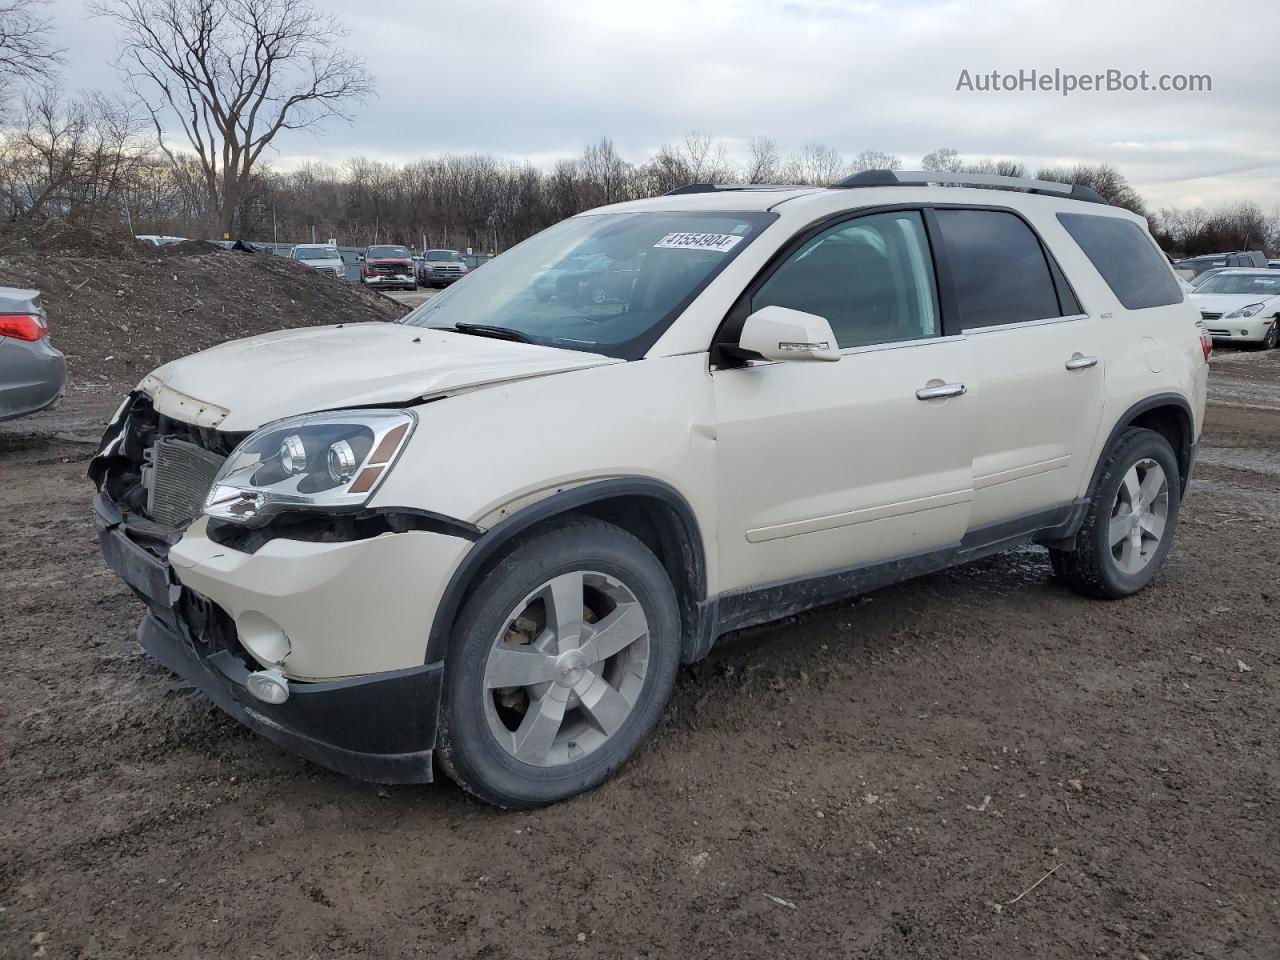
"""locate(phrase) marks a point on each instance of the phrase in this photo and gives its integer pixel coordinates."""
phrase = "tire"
(493, 739)
(1270, 341)
(1101, 566)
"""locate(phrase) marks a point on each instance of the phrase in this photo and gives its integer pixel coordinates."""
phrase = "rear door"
(1038, 364)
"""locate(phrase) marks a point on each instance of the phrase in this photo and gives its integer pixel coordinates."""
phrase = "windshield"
(1252, 284)
(604, 283)
(315, 253)
(443, 255)
(388, 253)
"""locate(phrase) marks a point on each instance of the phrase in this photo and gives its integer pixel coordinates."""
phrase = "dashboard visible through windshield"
(604, 283)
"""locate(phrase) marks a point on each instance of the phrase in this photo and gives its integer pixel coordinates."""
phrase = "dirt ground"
(899, 772)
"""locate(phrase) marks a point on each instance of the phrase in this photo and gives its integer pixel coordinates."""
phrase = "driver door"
(828, 466)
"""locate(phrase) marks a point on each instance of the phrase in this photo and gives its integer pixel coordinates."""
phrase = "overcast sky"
(539, 79)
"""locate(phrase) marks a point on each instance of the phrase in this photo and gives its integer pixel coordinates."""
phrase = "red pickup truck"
(388, 266)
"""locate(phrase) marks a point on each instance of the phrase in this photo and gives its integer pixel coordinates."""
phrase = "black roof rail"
(729, 187)
(909, 178)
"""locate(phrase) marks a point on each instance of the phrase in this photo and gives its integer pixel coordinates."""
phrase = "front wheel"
(1270, 341)
(1128, 528)
(563, 658)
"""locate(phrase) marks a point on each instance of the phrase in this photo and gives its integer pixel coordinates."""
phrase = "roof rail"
(728, 187)
(903, 178)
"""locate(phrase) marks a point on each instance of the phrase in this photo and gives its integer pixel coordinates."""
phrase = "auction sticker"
(719, 242)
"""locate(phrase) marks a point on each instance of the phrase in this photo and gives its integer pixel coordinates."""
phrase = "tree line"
(225, 77)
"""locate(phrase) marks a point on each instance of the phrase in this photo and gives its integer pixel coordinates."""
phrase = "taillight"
(1206, 343)
(23, 326)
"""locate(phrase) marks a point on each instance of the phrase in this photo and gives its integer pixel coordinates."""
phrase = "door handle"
(942, 391)
(1078, 362)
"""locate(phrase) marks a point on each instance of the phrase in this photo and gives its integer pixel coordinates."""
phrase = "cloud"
(541, 80)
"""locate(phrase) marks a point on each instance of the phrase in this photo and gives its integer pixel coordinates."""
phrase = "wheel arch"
(1168, 414)
(652, 511)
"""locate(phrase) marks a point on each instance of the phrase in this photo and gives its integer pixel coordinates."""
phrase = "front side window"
(998, 268)
(606, 283)
(1120, 250)
(1252, 284)
(871, 278)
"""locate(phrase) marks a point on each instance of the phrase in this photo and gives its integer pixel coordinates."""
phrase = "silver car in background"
(439, 268)
(32, 373)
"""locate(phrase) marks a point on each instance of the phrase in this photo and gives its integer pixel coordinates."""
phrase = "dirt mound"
(118, 314)
(81, 240)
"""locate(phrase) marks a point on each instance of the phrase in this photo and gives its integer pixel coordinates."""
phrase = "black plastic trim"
(502, 534)
(380, 728)
(1185, 455)
(744, 608)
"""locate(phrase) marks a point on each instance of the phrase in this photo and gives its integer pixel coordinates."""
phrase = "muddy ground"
(896, 771)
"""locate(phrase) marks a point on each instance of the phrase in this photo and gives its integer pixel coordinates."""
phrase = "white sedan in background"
(1241, 306)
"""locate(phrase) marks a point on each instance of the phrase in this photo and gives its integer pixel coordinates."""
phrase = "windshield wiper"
(489, 330)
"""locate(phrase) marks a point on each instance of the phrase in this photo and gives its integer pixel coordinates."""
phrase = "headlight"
(328, 461)
(1248, 311)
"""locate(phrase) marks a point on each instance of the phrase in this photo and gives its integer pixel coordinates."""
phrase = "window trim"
(948, 304)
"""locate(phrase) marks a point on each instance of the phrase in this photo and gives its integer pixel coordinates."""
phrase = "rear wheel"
(1128, 529)
(563, 659)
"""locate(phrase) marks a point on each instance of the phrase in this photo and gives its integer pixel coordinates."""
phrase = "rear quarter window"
(1127, 259)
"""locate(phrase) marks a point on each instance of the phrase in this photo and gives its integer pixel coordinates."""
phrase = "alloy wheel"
(565, 672)
(1139, 516)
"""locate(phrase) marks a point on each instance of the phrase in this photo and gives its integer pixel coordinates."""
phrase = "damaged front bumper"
(379, 727)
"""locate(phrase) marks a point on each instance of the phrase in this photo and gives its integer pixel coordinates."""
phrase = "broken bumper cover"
(379, 727)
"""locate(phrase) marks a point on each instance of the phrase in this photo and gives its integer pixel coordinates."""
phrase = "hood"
(244, 384)
(1224, 303)
(403, 261)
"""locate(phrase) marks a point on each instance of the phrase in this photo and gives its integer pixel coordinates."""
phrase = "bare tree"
(816, 164)
(25, 50)
(234, 73)
(764, 163)
(874, 160)
(944, 158)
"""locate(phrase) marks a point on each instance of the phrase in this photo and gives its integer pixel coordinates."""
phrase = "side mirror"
(360, 257)
(779, 333)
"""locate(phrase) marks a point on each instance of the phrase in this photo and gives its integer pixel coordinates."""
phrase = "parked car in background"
(320, 256)
(439, 268)
(1238, 258)
(32, 373)
(160, 240)
(388, 266)
(1241, 306)
(487, 537)
(1200, 278)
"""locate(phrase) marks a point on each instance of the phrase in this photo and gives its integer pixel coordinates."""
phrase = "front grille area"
(179, 479)
(1210, 316)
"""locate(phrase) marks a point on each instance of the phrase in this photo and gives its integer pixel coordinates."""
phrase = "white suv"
(490, 534)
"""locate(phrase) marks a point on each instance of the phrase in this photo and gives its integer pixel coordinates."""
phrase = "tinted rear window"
(998, 267)
(1127, 259)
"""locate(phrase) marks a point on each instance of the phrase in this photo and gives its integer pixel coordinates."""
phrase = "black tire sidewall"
(475, 759)
(1137, 445)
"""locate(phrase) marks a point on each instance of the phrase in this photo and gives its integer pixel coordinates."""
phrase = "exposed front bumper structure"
(379, 727)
